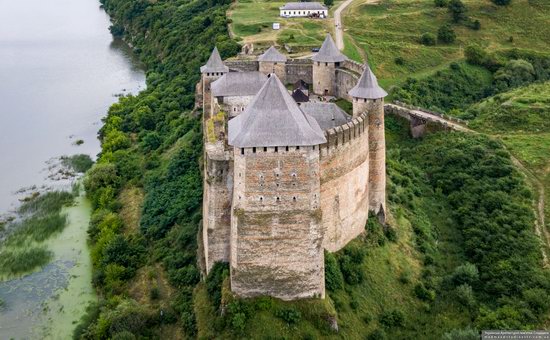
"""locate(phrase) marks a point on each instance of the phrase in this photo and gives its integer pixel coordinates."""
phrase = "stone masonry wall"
(345, 81)
(276, 233)
(344, 182)
(217, 196)
(242, 65)
(299, 69)
(324, 78)
(278, 68)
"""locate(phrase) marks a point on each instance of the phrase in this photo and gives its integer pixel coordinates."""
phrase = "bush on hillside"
(428, 39)
(458, 10)
(441, 3)
(475, 55)
(446, 34)
(514, 74)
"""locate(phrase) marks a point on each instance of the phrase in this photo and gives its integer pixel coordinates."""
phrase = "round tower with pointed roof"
(273, 61)
(325, 63)
(368, 97)
(276, 226)
(213, 69)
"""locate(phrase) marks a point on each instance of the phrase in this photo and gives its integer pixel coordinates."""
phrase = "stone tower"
(276, 227)
(273, 61)
(369, 96)
(325, 63)
(213, 70)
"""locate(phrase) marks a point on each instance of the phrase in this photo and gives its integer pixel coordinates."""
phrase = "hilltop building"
(283, 181)
(303, 9)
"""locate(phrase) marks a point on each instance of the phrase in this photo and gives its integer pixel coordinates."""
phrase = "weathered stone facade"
(271, 211)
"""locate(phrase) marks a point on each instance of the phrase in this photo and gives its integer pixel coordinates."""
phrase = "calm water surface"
(59, 72)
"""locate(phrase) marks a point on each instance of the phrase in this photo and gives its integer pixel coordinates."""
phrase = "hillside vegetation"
(390, 31)
(460, 254)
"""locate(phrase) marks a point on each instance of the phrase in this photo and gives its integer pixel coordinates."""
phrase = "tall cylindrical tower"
(213, 70)
(325, 63)
(369, 96)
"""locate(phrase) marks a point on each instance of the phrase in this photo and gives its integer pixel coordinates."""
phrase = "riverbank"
(49, 302)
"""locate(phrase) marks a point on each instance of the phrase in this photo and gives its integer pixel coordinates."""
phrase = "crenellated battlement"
(348, 133)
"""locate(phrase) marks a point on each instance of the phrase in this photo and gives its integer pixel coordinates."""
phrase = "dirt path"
(339, 25)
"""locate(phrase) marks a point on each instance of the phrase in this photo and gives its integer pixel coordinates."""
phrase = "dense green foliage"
(461, 85)
(153, 141)
(79, 163)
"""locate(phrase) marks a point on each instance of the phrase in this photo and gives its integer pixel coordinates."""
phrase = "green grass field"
(251, 22)
(392, 28)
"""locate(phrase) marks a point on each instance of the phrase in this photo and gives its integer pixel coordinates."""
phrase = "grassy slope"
(520, 118)
(252, 20)
(391, 29)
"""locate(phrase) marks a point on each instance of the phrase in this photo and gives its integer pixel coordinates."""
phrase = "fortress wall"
(276, 232)
(299, 69)
(354, 66)
(344, 165)
(345, 81)
(278, 68)
(242, 65)
(217, 196)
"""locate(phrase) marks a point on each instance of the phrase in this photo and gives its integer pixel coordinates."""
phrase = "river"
(60, 70)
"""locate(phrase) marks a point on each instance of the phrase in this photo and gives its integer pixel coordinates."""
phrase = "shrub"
(377, 334)
(79, 163)
(424, 293)
(333, 275)
(465, 273)
(475, 55)
(393, 318)
(428, 39)
(465, 295)
(457, 10)
(399, 61)
(441, 3)
(290, 315)
(446, 34)
(154, 293)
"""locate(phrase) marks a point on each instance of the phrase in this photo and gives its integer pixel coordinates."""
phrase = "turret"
(368, 97)
(276, 229)
(273, 61)
(211, 71)
(325, 63)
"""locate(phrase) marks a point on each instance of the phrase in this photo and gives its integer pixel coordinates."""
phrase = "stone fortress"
(285, 181)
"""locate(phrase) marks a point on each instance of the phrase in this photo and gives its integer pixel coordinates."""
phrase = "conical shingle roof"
(329, 52)
(274, 119)
(214, 63)
(367, 87)
(272, 55)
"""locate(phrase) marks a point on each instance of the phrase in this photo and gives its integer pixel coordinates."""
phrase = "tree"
(446, 34)
(427, 39)
(329, 3)
(457, 10)
(441, 3)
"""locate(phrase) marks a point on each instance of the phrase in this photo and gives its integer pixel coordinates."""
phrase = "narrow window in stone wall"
(286, 148)
(242, 151)
(326, 64)
(314, 147)
(294, 198)
(297, 148)
(278, 199)
(265, 149)
(261, 199)
(254, 150)
(276, 149)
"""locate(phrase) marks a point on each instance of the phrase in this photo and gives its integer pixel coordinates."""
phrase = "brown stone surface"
(377, 156)
(276, 232)
(271, 67)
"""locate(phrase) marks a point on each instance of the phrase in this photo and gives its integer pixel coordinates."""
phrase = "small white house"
(276, 26)
(303, 9)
